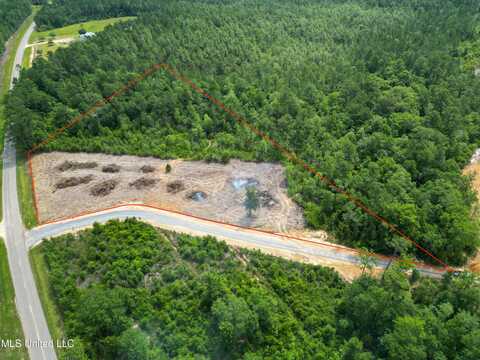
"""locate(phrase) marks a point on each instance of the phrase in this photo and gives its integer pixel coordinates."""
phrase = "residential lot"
(68, 184)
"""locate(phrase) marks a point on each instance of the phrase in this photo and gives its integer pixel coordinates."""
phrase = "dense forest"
(12, 14)
(374, 93)
(126, 290)
(58, 13)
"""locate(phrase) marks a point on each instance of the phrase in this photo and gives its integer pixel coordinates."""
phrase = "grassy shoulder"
(72, 30)
(26, 58)
(50, 310)
(10, 326)
(24, 189)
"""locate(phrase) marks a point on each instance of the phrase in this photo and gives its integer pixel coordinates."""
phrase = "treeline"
(126, 290)
(12, 14)
(58, 13)
(372, 93)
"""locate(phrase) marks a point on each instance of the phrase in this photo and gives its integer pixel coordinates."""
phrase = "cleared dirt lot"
(68, 184)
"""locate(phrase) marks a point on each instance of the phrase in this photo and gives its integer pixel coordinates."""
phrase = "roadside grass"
(26, 58)
(24, 189)
(52, 315)
(72, 30)
(10, 326)
(6, 75)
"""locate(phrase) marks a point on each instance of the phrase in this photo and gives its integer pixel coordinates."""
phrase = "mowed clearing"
(72, 30)
(69, 184)
(39, 44)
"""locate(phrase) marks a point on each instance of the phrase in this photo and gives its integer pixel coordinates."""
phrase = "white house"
(87, 35)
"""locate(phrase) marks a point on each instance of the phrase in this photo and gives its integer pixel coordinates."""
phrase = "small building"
(87, 35)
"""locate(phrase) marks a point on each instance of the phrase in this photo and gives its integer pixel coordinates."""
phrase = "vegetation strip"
(24, 192)
(56, 14)
(54, 320)
(10, 326)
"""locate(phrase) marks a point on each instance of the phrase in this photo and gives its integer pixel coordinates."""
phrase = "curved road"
(29, 308)
(235, 235)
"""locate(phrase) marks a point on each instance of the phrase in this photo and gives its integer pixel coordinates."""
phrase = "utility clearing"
(68, 184)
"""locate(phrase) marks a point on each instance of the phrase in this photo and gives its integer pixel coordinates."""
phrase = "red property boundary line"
(277, 234)
(290, 155)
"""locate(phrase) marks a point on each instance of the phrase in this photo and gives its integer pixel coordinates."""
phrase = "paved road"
(26, 296)
(231, 234)
(17, 65)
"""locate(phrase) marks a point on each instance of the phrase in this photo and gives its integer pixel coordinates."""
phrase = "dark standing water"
(197, 196)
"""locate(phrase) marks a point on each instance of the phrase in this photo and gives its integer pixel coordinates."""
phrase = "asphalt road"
(188, 224)
(26, 296)
(17, 65)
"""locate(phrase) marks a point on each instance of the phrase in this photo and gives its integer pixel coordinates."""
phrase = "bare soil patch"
(211, 190)
(143, 183)
(104, 188)
(147, 169)
(474, 265)
(68, 165)
(111, 168)
(473, 170)
(175, 187)
(73, 181)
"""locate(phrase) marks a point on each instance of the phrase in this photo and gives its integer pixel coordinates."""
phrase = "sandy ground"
(347, 271)
(63, 41)
(474, 169)
(222, 185)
